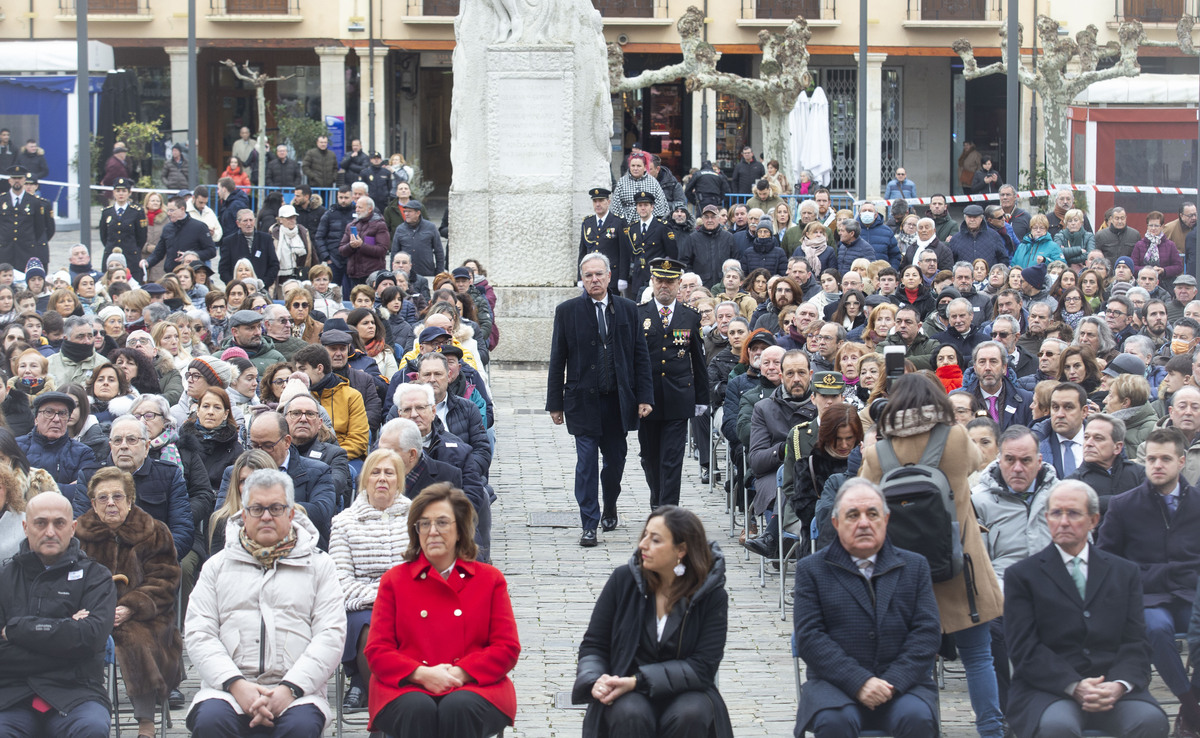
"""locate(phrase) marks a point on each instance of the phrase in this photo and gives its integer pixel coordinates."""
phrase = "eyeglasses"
(1047, 354)
(1073, 516)
(1072, 298)
(138, 342)
(125, 440)
(115, 499)
(259, 308)
(414, 409)
(300, 305)
(1002, 335)
(148, 415)
(309, 414)
(193, 376)
(284, 321)
(256, 511)
(265, 446)
(442, 524)
(1116, 313)
(54, 414)
(279, 382)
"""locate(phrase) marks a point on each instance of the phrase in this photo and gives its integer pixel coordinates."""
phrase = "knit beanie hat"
(112, 311)
(234, 351)
(1035, 276)
(215, 371)
(35, 265)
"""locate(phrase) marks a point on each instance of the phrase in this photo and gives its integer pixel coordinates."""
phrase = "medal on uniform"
(679, 338)
(682, 353)
(646, 324)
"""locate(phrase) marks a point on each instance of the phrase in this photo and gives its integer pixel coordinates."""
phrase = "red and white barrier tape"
(1133, 189)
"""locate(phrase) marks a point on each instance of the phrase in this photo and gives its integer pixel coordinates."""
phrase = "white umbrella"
(797, 124)
(815, 149)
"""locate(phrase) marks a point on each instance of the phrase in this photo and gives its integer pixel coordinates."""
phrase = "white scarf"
(290, 249)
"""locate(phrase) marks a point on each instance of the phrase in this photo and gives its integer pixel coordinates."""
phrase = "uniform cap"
(16, 170)
(663, 268)
(828, 383)
(123, 183)
(643, 196)
(599, 193)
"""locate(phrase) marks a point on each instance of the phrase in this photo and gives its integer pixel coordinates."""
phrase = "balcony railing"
(1154, 11)
(625, 8)
(107, 7)
(254, 7)
(788, 9)
(433, 7)
(954, 10)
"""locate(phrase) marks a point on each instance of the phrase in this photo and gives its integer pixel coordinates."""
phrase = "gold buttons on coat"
(424, 613)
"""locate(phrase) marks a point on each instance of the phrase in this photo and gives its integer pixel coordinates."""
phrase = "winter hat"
(234, 351)
(112, 311)
(215, 371)
(763, 222)
(1120, 289)
(1127, 261)
(1035, 276)
(35, 268)
(118, 257)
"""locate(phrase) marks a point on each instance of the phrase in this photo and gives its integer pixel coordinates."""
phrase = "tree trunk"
(1054, 116)
(260, 94)
(777, 140)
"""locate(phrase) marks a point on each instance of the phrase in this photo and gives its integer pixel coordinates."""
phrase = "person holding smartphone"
(365, 242)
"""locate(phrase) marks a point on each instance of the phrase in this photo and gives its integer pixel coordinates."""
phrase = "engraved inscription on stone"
(528, 116)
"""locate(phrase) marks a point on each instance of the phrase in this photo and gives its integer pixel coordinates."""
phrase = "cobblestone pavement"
(554, 583)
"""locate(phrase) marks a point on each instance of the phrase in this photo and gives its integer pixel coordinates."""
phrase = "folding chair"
(714, 441)
(342, 715)
(788, 544)
(796, 666)
(114, 689)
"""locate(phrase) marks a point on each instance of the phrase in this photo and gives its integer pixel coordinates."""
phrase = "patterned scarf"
(374, 348)
(169, 452)
(813, 247)
(1152, 242)
(906, 241)
(268, 556)
(1072, 319)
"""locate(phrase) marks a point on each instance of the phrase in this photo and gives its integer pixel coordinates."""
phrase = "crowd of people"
(1043, 374)
(258, 428)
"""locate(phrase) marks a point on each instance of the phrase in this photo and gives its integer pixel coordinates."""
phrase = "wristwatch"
(296, 691)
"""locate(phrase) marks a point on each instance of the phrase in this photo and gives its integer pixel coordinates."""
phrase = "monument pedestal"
(530, 127)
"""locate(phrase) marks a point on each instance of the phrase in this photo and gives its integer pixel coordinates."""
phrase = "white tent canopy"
(57, 57)
(810, 145)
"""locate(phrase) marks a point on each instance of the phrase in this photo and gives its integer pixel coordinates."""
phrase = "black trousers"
(685, 715)
(457, 714)
(1000, 660)
(663, 442)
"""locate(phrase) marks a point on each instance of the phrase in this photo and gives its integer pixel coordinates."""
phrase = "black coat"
(608, 239)
(622, 640)
(746, 174)
(704, 251)
(1166, 548)
(45, 650)
(218, 453)
(846, 637)
(20, 228)
(706, 187)
(229, 210)
(659, 241)
(334, 456)
(432, 472)
(189, 234)
(126, 231)
(379, 183)
(1056, 639)
(261, 254)
(1124, 476)
(329, 232)
(285, 173)
(1016, 408)
(448, 448)
(574, 354)
(200, 486)
(676, 361)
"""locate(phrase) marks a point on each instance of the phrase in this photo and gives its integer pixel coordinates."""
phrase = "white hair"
(358, 187)
(408, 388)
(268, 479)
(408, 435)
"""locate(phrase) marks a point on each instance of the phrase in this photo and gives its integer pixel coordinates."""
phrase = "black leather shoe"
(608, 521)
(588, 539)
(175, 700)
(765, 545)
(355, 699)
(704, 475)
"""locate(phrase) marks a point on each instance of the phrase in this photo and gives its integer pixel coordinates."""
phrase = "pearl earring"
(679, 568)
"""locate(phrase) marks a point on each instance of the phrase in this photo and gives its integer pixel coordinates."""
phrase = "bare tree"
(1057, 83)
(259, 81)
(783, 75)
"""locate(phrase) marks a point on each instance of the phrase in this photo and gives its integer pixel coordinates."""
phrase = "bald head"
(49, 526)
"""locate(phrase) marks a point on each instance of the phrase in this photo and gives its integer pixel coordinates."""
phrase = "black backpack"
(923, 519)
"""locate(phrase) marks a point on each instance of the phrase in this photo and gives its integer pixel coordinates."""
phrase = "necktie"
(864, 567)
(600, 322)
(665, 312)
(1172, 503)
(992, 409)
(1068, 458)
(1077, 575)
(120, 212)
(643, 229)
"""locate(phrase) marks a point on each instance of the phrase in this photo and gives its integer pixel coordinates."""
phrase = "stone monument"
(530, 121)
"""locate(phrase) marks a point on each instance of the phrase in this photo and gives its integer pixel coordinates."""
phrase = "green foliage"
(1041, 181)
(138, 136)
(421, 187)
(297, 128)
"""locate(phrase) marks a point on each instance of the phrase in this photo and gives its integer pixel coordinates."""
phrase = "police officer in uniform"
(647, 238)
(672, 332)
(603, 233)
(22, 222)
(45, 210)
(123, 225)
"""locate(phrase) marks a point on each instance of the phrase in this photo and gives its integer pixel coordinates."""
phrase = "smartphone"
(353, 231)
(893, 361)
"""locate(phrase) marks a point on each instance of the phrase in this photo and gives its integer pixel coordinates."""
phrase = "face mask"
(1179, 347)
(76, 351)
(867, 218)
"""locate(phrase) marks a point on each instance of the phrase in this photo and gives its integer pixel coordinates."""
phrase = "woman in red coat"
(443, 637)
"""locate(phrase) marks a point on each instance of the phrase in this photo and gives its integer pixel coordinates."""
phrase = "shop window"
(951, 10)
(733, 130)
(302, 92)
(1159, 162)
(625, 8)
(440, 7)
(809, 9)
(1154, 11)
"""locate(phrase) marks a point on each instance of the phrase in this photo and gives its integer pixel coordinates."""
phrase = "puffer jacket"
(848, 252)
(685, 659)
(1075, 246)
(1016, 526)
(345, 406)
(320, 167)
(267, 626)
(882, 240)
(762, 253)
(1139, 421)
(770, 423)
(983, 244)
(365, 543)
(329, 231)
(45, 650)
(70, 462)
(703, 251)
(368, 257)
(1029, 250)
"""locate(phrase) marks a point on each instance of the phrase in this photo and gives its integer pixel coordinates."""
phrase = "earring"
(679, 568)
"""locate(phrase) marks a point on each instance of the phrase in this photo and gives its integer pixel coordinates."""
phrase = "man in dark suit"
(1006, 330)
(21, 224)
(1005, 402)
(676, 349)
(1063, 444)
(183, 239)
(604, 233)
(249, 243)
(404, 437)
(122, 224)
(646, 238)
(1073, 622)
(1156, 525)
(601, 351)
(867, 628)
